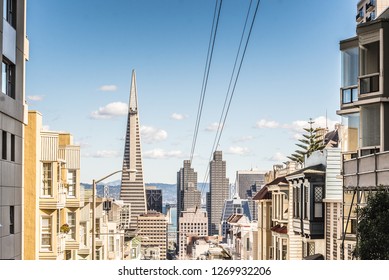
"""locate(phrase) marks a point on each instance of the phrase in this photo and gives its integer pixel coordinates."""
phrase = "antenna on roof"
(326, 120)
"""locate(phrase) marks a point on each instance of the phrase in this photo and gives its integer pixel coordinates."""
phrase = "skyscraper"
(154, 199)
(132, 187)
(218, 192)
(188, 196)
(246, 178)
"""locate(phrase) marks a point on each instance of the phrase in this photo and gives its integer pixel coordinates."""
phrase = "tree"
(373, 229)
(312, 141)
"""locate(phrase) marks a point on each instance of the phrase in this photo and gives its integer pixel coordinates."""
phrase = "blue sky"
(82, 54)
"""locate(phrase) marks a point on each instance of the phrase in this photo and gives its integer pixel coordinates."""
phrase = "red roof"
(280, 229)
(264, 193)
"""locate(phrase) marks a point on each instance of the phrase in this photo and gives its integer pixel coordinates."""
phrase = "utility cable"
(211, 46)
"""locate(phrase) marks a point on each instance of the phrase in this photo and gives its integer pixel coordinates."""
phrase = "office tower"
(218, 192)
(52, 196)
(132, 187)
(12, 120)
(193, 222)
(246, 178)
(188, 196)
(152, 229)
(154, 199)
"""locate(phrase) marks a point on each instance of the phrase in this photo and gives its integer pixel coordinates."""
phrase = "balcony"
(369, 83)
(359, 16)
(370, 6)
(367, 171)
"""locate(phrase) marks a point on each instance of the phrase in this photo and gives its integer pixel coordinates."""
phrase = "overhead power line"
(229, 95)
(211, 46)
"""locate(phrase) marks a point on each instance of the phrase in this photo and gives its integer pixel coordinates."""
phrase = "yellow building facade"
(52, 193)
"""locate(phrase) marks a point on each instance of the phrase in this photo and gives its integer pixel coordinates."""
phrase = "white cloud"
(45, 128)
(152, 134)
(110, 110)
(108, 88)
(266, 124)
(103, 154)
(278, 157)
(237, 150)
(162, 154)
(212, 127)
(178, 117)
(321, 121)
(35, 97)
(244, 139)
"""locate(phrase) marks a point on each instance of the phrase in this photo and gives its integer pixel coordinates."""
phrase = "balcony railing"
(369, 83)
(60, 243)
(349, 95)
(365, 171)
(359, 16)
(370, 6)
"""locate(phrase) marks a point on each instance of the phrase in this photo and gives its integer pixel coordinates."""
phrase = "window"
(369, 67)
(350, 60)
(68, 255)
(97, 232)
(284, 249)
(97, 253)
(309, 249)
(4, 145)
(45, 233)
(9, 12)
(297, 199)
(370, 125)
(8, 78)
(111, 242)
(318, 198)
(47, 179)
(83, 235)
(71, 181)
(12, 147)
(305, 202)
(12, 219)
(72, 225)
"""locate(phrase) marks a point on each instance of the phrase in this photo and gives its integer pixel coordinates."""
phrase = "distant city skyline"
(82, 54)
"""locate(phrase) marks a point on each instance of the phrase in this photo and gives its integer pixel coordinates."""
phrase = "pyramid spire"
(132, 190)
(133, 94)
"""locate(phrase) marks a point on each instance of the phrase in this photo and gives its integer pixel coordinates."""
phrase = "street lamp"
(95, 182)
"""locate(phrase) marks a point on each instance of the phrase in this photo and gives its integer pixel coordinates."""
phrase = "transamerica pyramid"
(132, 187)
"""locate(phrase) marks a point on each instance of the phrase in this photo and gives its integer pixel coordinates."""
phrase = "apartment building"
(263, 198)
(51, 193)
(14, 48)
(364, 109)
(368, 10)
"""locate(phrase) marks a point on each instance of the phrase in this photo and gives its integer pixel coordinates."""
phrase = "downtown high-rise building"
(218, 192)
(193, 222)
(245, 179)
(188, 196)
(13, 115)
(132, 185)
(154, 199)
